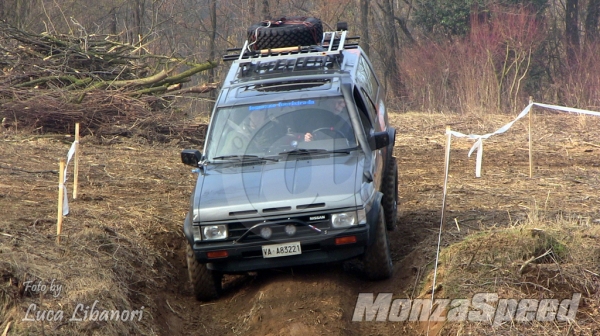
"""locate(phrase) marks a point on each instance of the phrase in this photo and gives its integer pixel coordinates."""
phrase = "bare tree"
(213, 40)
(266, 10)
(138, 12)
(388, 49)
(591, 21)
(365, 40)
(572, 29)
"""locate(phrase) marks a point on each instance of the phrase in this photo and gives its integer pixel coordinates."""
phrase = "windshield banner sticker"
(282, 104)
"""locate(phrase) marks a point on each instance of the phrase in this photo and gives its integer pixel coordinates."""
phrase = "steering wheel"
(323, 129)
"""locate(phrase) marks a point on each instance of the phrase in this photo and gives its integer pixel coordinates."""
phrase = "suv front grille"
(238, 229)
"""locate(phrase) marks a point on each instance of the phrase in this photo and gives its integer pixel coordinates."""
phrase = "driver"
(340, 122)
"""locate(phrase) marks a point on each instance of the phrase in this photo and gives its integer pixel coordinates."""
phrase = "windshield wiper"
(244, 157)
(302, 151)
(344, 150)
(235, 156)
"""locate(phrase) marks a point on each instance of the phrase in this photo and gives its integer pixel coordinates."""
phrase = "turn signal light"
(217, 254)
(345, 240)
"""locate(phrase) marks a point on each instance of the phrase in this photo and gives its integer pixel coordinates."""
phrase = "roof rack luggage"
(332, 43)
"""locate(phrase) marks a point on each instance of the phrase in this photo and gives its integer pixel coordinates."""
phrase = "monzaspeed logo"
(483, 307)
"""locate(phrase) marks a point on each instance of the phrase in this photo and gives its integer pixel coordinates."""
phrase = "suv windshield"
(275, 127)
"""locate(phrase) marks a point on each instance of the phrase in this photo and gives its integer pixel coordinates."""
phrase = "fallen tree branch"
(532, 259)
(29, 171)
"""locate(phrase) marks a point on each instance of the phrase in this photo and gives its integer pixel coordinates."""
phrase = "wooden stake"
(61, 181)
(7, 328)
(530, 144)
(76, 163)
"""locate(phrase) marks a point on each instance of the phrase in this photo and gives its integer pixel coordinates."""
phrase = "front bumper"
(247, 256)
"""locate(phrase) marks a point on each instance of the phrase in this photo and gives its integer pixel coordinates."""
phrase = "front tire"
(205, 283)
(377, 259)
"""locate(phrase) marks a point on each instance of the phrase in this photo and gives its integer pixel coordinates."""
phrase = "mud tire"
(390, 194)
(205, 283)
(377, 260)
(286, 32)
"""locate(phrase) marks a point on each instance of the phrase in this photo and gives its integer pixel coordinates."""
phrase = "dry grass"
(106, 252)
(540, 258)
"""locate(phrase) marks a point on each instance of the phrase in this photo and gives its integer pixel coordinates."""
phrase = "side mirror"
(379, 139)
(191, 157)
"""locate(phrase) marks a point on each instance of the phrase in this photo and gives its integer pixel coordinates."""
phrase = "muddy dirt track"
(320, 300)
(126, 183)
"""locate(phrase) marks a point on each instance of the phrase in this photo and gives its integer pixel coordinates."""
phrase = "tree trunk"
(591, 22)
(388, 50)
(365, 40)
(138, 18)
(266, 11)
(113, 21)
(252, 8)
(213, 41)
(22, 11)
(572, 30)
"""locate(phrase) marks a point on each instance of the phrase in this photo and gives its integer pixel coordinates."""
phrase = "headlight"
(344, 219)
(214, 232)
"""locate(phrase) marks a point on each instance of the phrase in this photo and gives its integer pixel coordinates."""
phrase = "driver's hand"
(308, 137)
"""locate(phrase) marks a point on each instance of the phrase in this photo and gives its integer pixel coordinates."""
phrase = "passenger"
(253, 134)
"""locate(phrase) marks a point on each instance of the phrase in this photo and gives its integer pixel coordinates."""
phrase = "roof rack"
(332, 42)
(281, 65)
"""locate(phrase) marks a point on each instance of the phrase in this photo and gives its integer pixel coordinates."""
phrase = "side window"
(365, 119)
(366, 77)
(371, 110)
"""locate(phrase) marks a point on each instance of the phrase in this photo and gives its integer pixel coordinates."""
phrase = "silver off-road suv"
(298, 163)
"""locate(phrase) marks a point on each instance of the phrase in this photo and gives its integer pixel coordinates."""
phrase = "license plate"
(281, 250)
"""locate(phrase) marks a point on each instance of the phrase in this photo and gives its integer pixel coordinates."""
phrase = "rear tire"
(286, 32)
(377, 259)
(390, 194)
(205, 283)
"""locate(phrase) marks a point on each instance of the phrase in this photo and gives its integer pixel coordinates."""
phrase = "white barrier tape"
(478, 145)
(65, 207)
(479, 159)
(568, 109)
(69, 157)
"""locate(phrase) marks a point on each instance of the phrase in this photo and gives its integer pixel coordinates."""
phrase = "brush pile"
(49, 82)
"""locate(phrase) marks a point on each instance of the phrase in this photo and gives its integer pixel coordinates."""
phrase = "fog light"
(266, 232)
(290, 229)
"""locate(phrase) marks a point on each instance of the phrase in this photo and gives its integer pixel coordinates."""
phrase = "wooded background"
(434, 55)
